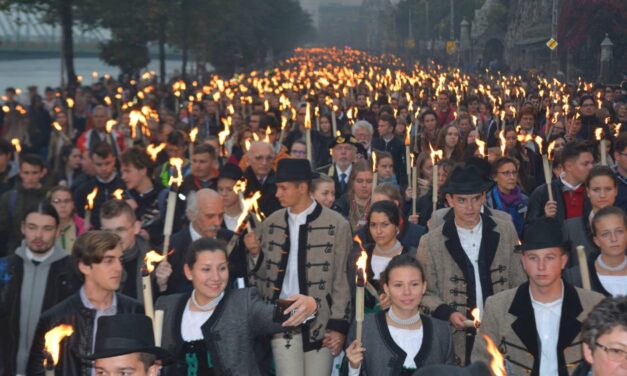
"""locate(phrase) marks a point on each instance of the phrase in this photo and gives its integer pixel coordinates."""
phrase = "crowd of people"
(340, 213)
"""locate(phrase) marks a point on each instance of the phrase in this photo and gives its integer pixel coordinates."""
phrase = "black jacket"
(105, 193)
(268, 203)
(332, 171)
(396, 147)
(540, 196)
(71, 311)
(62, 282)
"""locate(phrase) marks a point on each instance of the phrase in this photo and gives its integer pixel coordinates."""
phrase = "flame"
(247, 144)
(476, 314)
(374, 163)
(503, 141)
(497, 365)
(268, 132)
(308, 117)
(6, 108)
(70, 102)
(107, 100)
(435, 155)
(481, 146)
(538, 141)
(247, 206)
(90, 199)
(223, 135)
(240, 186)
(361, 262)
(407, 135)
(549, 149)
(119, 194)
(53, 339)
(192, 134)
(151, 259)
(17, 145)
(598, 133)
(57, 126)
(177, 163)
(110, 125)
(153, 150)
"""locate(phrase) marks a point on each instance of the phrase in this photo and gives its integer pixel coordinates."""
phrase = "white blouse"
(191, 323)
(378, 265)
(614, 284)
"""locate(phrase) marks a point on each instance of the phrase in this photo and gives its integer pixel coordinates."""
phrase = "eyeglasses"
(508, 173)
(613, 354)
(298, 152)
(58, 201)
(622, 154)
(266, 158)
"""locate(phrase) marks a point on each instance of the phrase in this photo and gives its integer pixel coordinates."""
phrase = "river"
(46, 72)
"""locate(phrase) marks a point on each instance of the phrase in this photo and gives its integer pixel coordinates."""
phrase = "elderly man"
(467, 258)
(343, 153)
(98, 133)
(537, 325)
(259, 176)
(205, 211)
(363, 131)
(303, 249)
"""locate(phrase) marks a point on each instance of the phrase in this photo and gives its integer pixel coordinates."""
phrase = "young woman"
(323, 190)
(220, 325)
(399, 340)
(70, 224)
(506, 195)
(529, 163)
(449, 141)
(601, 189)
(70, 167)
(428, 121)
(355, 202)
(608, 269)
(385, 168)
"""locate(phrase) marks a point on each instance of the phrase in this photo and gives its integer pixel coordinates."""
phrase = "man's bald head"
(205, 209)
(100, 115)
(260, 158)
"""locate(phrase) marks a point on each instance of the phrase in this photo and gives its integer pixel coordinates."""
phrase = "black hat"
(230, 171)
(126, 334)
(545, 232)
(290, 169)
(482, 165)
(466, 181)
(346, 138)
(475, 369)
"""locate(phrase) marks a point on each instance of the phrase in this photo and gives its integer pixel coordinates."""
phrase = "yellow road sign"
(552, 44)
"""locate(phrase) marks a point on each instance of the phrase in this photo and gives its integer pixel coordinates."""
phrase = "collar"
(386, 140)
(473, 231)
(192, 232)
(567, 185)
(554, 306)
(115, 174)
(347, 171)
(88, 304)
(302, 215)
(33, 257)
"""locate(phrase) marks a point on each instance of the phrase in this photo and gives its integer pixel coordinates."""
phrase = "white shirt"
(230, 221)
(195, 236)
(290, 282)
(347, 172)
(191, 323)
(378, 265)
(548, 317)
(614, 284)
(567, 184)
(471, 243)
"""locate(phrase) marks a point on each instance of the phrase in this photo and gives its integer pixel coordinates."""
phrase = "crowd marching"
(339, 213)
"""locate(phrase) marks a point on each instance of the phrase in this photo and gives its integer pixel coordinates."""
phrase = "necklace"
(617, 268)
(209, 306)
(395, 249)
(404, 322)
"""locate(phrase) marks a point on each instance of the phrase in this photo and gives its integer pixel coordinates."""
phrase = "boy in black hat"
(229, 175)
(537, 325)
(125, 344)
(303, 248)
(467, 258)
(343, 153)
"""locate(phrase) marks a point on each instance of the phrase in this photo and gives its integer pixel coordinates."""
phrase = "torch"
(547, 169)
(503, 142)
(118, 194)
(242, 221)
(52, 345)
(360, 280)
(475, 322)
(59, 129)
(481, 148)
(334, 119)
(598, 133)
(222, 136)
(414, 184)
(308, 132)
(18, 150)
(497, 365)
(150, 260)
(192, 139)
(375, 177)
(408, 151)
(435, 157)
(70, 115)
(583, 267)
(90, 205)
(174, 182)
(153, 150)
(109, 128)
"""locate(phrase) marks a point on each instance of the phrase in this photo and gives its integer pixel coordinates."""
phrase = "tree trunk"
(64, 8)
(162, 52)
(185, 37)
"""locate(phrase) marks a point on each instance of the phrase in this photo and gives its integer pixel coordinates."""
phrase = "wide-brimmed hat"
(230, 171)
(126, 334)
(346, 138)
(290, 169)
(544, 232)
(466, 181)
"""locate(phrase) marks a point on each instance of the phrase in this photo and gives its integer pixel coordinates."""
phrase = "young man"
(467, 258)
(537, 325)
(229, 175)
(145, 194)
(98, 256)
(205, 210)
(303, 248)
(125, 345)
(604, 336)
(569, 196)
(106, 180)
(38, 276)
(393, 145)
(343, 150)
(14, 203)
(116, 216)
(203, 173)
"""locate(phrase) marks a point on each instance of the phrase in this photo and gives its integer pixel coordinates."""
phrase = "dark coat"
(268, 203)
(229, 334)
(62, 282)
(385, 358)
(577, 231)
(331, 171)
(71, 311)
(409, 236)
(105, 193)
(539, 198)
(396, 147)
